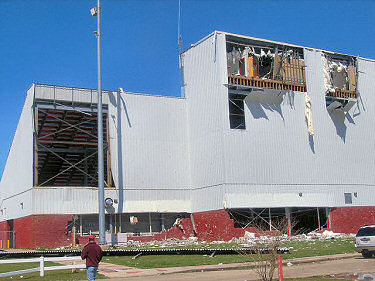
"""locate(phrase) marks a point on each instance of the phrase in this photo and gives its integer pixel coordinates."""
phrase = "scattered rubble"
(248, 240)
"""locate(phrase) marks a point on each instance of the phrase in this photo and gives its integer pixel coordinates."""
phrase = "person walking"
(93, 255)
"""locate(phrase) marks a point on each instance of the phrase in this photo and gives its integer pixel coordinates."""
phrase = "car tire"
(366, 255)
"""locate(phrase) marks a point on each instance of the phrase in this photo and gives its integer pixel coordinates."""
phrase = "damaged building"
(264, 131)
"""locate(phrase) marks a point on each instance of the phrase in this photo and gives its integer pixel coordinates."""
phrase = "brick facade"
(349, 219)
(45, 231)
(42, 231)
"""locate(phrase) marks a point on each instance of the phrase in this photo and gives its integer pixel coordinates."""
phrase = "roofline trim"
(271, 41)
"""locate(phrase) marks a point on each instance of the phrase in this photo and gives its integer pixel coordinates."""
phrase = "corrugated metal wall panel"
(180, 155)
(68, 200)
(270, 162)
(17, 176)
(205, 70)
(149, 152)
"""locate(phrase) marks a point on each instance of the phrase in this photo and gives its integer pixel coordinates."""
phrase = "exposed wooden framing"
(344, 94)
(352, 77)
(266, 83)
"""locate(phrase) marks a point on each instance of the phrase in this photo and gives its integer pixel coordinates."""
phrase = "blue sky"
(52, 41)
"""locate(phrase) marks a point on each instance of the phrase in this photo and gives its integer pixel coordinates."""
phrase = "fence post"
(280, 263)
(41, 266)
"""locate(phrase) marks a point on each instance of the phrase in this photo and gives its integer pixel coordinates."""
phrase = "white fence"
(41, 267)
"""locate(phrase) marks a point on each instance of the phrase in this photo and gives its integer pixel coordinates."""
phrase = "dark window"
(348, 198)
(367, 231)
(236, 111)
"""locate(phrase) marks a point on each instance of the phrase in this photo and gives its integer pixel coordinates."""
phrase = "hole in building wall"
(340, 81)
(124, 223)
(304, 220)
(265, 65)
(66, 148)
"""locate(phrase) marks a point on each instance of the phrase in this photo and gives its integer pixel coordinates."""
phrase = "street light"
(96, 11)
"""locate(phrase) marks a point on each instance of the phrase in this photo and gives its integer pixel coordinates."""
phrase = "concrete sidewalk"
(114, 271)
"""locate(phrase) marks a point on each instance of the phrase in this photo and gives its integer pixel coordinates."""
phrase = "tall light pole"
(96, 11)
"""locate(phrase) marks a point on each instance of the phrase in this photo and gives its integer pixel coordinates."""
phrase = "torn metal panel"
(266, 66)
(339, 74)
(308, 115)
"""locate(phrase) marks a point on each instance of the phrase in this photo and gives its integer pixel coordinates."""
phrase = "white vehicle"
(365, 241)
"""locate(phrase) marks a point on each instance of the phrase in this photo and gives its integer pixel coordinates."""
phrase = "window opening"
(348, 198)
(236, 111)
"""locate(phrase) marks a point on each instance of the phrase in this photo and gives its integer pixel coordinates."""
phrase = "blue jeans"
(91, 273)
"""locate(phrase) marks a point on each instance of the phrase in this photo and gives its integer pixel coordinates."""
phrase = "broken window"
(236, 111)
(340, 75)
(348, 198)
(259, 64)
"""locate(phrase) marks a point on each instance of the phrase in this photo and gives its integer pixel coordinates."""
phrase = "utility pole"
(96, 11)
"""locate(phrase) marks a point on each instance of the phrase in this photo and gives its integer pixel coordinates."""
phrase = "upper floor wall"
(301, 127)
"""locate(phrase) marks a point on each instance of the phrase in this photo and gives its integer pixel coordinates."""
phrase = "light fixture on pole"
(96, 12)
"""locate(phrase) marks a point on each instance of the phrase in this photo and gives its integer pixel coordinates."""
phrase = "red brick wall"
(4, 226)
(24, 229)
(4, 234)
(211, 226)
(51, 230)
(42, 231)
(349, 219)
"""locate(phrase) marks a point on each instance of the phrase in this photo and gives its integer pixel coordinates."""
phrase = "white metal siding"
(68, 200)
(205, 76)
(272, 161)
(17, 178)
(179, 155)
(149, 152)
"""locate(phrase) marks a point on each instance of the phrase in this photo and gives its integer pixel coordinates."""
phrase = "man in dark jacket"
(93, 255)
